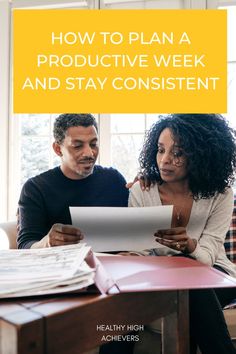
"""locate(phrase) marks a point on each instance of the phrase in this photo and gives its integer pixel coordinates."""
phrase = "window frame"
(9, 133)
(4, 104)
(104, 119)
(9, 128)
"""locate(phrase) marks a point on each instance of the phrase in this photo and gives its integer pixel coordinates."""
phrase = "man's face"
(78, 151)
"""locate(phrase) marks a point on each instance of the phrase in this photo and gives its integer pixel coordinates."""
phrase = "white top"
(208, 223)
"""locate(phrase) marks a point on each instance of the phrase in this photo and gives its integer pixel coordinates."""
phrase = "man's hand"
(60, 235)
(145, 184)
(177, 239)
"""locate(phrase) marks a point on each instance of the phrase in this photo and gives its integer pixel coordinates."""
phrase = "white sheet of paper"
(121, 229)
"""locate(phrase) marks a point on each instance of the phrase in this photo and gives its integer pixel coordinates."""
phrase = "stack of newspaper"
(44, 271)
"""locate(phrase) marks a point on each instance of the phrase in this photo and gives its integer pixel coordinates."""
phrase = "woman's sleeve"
(136, 196)
(213, 237)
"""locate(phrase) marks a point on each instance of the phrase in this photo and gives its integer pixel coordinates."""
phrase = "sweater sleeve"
(213, 236)
(136, 198)
(32, 216)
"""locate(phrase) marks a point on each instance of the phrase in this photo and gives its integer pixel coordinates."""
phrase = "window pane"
(51, 4)
(151, 118)
(34, 156)
(231, 33)
(231, 94)
(144, 4)
(56, 161)
(160, 4)
(125, 152)
(34, 124)
(127, 123)
(231, 16)
(53, 117)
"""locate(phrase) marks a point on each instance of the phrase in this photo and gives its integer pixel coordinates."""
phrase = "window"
(231, 115)
(30, 135)
(143, 4)
(121, 135)
(26, 139)
(124, 133)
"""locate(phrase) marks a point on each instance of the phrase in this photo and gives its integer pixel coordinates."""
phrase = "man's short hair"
(67, 120)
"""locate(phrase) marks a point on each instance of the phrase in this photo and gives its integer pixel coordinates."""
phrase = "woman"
(191, 158)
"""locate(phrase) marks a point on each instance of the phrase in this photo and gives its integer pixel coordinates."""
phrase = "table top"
(69, 323)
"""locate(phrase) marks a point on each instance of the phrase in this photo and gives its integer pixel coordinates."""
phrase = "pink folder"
(136, 273)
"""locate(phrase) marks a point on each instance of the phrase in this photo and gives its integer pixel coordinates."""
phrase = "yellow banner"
(120, 61)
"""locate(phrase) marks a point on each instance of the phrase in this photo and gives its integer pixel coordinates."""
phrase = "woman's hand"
(177, 239)
(145, 184)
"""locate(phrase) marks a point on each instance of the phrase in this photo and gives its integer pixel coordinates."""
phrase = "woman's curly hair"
(208, 144)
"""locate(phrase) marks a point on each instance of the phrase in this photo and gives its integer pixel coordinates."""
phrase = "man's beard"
(84, 173)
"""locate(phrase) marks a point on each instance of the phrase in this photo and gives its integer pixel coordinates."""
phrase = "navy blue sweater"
(45, 199)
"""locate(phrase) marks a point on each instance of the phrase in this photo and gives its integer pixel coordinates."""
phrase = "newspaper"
(44, 271)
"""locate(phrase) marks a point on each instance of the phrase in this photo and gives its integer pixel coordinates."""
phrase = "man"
(44, 217)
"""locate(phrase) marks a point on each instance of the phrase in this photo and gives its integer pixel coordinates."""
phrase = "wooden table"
(68, 324)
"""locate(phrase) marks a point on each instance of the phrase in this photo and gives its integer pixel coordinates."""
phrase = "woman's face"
(170, 158)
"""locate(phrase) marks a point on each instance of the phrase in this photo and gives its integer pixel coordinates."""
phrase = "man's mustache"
(88, 159)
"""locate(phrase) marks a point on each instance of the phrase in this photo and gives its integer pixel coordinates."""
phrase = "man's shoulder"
(109, 185)
(44, 177)
(107, 171)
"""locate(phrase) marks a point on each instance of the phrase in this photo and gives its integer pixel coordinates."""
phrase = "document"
(121, 229)
(44, 271)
